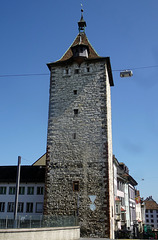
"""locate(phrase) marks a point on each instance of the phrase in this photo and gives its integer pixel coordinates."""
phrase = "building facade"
(151, 212)
(125, 204)
(31, 191)
(79, 165)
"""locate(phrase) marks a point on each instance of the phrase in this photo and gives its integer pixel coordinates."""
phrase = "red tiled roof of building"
(80, 39)
(151, 204)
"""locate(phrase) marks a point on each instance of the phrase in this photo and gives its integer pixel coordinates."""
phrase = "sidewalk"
(94, 238)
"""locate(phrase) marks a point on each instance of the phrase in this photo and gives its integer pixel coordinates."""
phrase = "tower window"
(76, 186)
(77, 71)
(66, 71)
(75, 112)
(74, 135)
(75, 92)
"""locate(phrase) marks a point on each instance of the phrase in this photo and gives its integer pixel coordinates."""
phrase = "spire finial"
(81, 23)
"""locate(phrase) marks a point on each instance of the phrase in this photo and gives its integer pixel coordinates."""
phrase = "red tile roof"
(151, 205)
(80, 39)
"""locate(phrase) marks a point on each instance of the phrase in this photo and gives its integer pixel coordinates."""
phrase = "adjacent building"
(151, 212)
(31, 191)
(125, 201)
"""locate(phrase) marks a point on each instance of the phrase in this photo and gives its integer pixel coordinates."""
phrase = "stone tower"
(79, 175)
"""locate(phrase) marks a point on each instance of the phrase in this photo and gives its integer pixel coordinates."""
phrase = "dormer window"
(80, 50)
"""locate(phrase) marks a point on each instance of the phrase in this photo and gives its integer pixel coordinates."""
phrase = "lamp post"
(17, 191)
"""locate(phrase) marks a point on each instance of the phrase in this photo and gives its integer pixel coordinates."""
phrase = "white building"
(125, 206)
(151, 212)
(31, 191)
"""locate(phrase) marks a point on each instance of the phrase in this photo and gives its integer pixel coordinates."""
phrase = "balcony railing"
(39, 221)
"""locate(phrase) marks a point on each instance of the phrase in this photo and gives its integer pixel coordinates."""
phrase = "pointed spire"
(81, 23)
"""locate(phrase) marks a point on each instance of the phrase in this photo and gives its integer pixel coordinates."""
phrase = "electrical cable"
(24, 75)
(135, 68)
(46, 74)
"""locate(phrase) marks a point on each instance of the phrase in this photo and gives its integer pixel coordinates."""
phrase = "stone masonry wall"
(79, 146)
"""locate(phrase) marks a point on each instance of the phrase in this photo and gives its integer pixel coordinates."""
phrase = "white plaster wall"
(67, 233)
(22, 198)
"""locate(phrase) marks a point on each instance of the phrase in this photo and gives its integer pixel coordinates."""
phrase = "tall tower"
(79, 176)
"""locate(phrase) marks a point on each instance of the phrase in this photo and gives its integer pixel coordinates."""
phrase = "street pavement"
(94, 238)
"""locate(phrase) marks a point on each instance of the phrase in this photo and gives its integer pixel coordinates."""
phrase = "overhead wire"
(46, 74)
(24, 75)
(135, 68)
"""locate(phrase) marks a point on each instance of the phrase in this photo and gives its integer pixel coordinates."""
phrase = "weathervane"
(81, 23)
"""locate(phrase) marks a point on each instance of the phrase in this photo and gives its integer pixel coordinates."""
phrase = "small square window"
(39, 190)
(11, 190)
(29, 207)
(10, 207)
(75, 92)
(2, 206)
(3, 190)
(151, 211)
(76, 186)
(30, 190)
(20, 207)
(74, 135)
(77, 71)
(75, 112)
(147, 220)
(39, 207)
(151, 216)
(152, 220)
(147, 215)
(21, 190)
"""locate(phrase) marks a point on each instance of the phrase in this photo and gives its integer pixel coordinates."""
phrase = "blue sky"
(34, 33)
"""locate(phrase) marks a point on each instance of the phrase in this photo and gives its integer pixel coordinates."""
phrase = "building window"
(20, 207)
(77, 71)
(147, 220)
(152, 225)
(117, 209)
(151, 216)
(39, 207)
(12, 190)
(2, 206)
(74, 135)
(29, 207)
(156, 211)
(10, 207)
(3, 190)
(75, 92)
(147, 215)
(151, 211)
(39, 190)
(66, 71)
(75, 112)
(76, 186)
(21, 190)
(30, 190)
(152, 220)
(146, 211)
